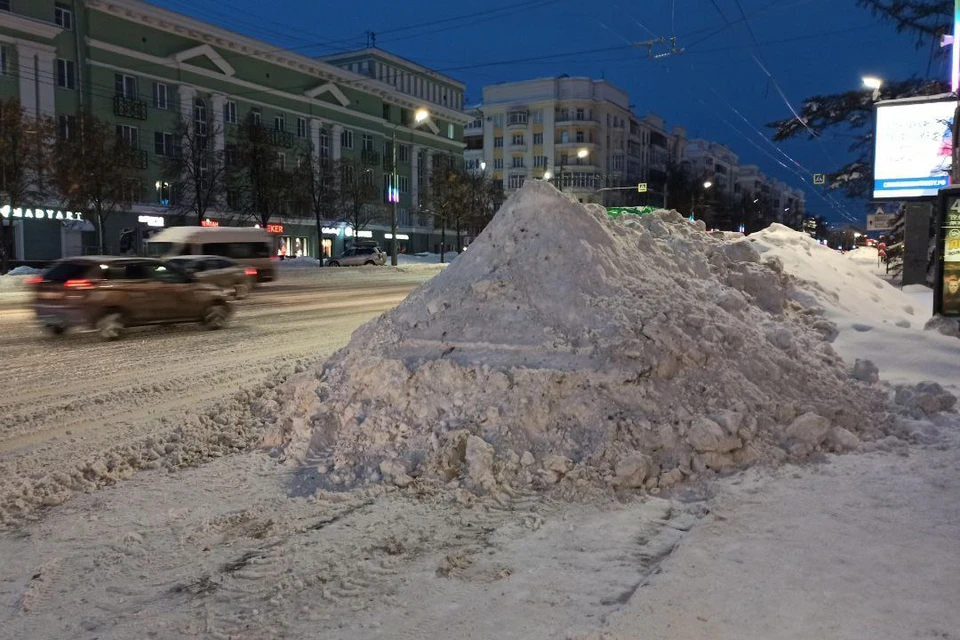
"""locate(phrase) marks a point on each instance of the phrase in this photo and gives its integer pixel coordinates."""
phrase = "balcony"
(567, 121)
(283, 139)
(129, 108)
(519, 148)
(518, 119)
(370, 157)
(577, 145)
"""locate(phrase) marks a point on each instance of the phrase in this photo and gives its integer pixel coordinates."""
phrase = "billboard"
(946, 296)
(912, 150)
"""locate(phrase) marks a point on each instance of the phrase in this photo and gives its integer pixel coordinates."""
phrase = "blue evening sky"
(716, 89)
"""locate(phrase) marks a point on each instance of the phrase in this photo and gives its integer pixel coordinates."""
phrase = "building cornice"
(397, 60)
(181, 25)
(34, 27)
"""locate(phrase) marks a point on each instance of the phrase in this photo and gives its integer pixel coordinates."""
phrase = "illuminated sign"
(209, 223)
(39, 214)
(330, 231)
(400, 236)
(151, 221)
(275, 228)
(913, 148)
(360, 234)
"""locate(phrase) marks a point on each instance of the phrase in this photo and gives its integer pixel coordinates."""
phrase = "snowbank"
(566, 346)
(425, 258)
(23, 271)
(870, 314)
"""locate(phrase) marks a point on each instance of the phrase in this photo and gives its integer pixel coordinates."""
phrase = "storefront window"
(293, 247)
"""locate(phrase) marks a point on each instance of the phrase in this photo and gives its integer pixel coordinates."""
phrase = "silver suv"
(358, 256)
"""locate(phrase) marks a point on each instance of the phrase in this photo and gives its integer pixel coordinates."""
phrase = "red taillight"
(33, 280)
(78, 284)
(250, 272)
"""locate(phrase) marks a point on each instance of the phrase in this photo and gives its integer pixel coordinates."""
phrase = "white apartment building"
(571, 131)
(715, 162)
(768, 193)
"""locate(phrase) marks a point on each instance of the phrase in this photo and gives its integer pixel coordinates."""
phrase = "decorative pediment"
(330, 88)
(210, 54)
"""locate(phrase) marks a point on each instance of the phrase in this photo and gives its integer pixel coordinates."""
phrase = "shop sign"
(363, 233)
(209, 223)
(151, 221)
(39, 214)
(330, 231)
(274, 228)
(400, 236)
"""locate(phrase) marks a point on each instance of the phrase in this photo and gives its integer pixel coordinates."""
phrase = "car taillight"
(33, 280)
(250, 272)
(78, 284)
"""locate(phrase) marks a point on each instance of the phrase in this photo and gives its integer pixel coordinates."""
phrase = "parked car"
(234, 279)
(363, 254)
(110, 294)
(254, 248)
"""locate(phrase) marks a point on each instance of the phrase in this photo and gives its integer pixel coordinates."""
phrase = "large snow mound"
(568, 346)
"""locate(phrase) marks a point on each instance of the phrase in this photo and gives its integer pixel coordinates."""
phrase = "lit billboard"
(913, 146)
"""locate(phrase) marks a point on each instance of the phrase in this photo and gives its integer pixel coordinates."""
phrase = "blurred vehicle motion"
(109, 294)
(234, 279)
(254, 248)
(363, 253)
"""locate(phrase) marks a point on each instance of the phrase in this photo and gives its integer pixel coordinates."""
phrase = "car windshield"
(67, 271)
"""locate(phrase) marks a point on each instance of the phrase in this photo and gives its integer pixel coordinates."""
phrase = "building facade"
(142, 68)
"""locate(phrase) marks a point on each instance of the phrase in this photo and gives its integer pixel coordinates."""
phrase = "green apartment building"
(138, 67)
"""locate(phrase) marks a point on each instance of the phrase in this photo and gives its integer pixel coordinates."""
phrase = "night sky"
(716, 89)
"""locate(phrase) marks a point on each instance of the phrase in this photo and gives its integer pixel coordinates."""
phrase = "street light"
(483, 166)
(421, 114)
(873, 82)
(583, 153)
(393, 193)
(707, 184)
(547, 175)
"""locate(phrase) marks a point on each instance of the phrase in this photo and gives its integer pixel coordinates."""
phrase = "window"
(230, 112)
(3, 60)
(200, 118)
(580, 114)
(450, 131)
(324, 143)
(538, 138)
(517, 139)
(517, 162)
(301, 127)
(580, 137)
(279, 122)
(163, 191)
(498, 141)
(256, 116)
(498, 120)
(403, 153)
(65, 74)
(282, 161)
(66, 125)
(403, 183)
(61, 15)
(4, 5)
(498, 163)
(366, 141)
(126, 86)
(515, 181)
(160, 93)
(536, 116)
(540, 161)
(129, 135)
(564, 137)
(346, 139)
(618, 163)
(163, 144)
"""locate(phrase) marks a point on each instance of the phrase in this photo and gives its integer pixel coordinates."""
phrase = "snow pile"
(565, 346)
(869, 313)
(23, 271)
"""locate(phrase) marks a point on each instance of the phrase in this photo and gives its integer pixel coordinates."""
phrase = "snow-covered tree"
(923, 18)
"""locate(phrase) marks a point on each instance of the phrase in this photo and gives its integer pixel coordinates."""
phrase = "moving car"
(361, 254)
(254, 248)
(233, 278)
(110, 294)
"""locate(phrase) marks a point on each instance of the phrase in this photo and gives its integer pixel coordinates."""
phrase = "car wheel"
(216, 316)
(54, 329)
(110, 326)
(333, 263)
(241, 291)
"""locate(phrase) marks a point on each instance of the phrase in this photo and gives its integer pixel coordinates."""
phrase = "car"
(253, 248)
(362, 254)
(225, 273)
(110, 294)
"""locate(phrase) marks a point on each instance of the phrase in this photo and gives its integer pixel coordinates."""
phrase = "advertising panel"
(913, 147)
(946, 299)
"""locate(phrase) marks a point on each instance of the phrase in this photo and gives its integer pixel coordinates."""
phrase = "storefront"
(35, 235)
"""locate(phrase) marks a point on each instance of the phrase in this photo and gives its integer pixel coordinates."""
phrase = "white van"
(250, 247)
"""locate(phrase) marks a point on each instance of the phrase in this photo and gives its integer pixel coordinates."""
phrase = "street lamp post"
(693, 209)
(394, 192)
(581, 154)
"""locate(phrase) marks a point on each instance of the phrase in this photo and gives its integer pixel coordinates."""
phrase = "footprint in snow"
(862, 327)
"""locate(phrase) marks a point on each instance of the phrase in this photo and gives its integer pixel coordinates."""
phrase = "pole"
(394, 196)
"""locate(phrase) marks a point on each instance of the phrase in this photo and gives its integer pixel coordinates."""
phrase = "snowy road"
(64, 401)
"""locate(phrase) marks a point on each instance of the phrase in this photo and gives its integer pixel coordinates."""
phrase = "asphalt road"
(64, 399)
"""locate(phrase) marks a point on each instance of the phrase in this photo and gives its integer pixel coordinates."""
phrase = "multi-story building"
(140, 67)
(764, 193)
(715, 162)
(651, 152)
(571, 131)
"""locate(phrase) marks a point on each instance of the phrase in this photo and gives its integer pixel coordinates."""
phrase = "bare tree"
(97, 171)
(196, 169)
(360, 196)
(25, 155)
(258, 174)
(318, 189)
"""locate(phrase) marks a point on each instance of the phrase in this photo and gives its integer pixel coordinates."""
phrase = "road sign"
(819, 178)
(641, 187)
(880, 221)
